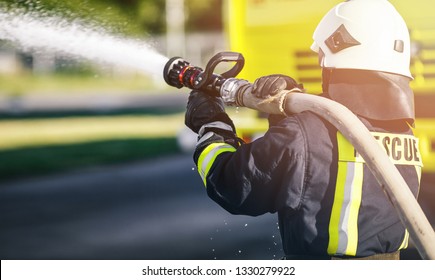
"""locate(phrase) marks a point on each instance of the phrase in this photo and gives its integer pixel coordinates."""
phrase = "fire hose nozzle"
(175, 71)
(179, 73)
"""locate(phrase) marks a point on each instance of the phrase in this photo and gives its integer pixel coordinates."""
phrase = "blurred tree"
(204, 15)
(132, 17)
(200, 15)
(115, 15)
(151, 15)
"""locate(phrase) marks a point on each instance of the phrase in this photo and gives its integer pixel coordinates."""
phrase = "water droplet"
(240, 251)
(193, 168)
(246, 225)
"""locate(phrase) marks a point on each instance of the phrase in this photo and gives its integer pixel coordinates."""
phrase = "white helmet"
(364, 34)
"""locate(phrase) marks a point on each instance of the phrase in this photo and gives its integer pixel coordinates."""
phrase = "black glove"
(203, 108)
(268, 86)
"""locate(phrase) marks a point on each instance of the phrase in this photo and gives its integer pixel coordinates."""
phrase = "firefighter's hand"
(203, 109)
(267, 86)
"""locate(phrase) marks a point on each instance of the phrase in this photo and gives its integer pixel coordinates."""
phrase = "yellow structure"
(275, 38)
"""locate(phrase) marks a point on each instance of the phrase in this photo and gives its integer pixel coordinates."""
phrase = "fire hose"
(237, 92)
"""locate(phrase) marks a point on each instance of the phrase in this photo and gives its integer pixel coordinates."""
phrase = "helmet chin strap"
(326, 75)
(371, 94)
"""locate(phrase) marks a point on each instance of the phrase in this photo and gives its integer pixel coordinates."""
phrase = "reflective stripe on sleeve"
(208, 156)
(343, 225)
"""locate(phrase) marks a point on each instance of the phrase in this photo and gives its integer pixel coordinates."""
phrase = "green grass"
(24, 133)
(31, 147)
(44, 145)
(30, 161)
(28, 84)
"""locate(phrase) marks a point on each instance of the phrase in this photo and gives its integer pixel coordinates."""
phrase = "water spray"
(32, 31)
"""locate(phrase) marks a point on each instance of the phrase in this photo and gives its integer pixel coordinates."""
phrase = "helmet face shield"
(364, 34)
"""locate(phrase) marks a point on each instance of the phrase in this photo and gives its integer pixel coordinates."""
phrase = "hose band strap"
(217, 124)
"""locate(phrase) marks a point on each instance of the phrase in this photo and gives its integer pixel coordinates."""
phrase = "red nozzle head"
(178, 73)
(172, 70)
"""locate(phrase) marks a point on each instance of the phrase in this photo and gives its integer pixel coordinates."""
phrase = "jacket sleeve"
(255, 178)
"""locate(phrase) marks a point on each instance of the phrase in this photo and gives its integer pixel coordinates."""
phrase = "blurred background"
(95, 161)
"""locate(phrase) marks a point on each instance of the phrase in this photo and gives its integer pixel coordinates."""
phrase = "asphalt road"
(147, 210)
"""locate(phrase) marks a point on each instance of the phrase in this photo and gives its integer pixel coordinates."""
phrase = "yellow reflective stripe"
(404, 244)
(336, 209)
(418, 170)
(346, 152)
(208, 156)
(343, 225)
(354, 209)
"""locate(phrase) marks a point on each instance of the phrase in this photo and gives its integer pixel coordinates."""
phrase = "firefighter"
(328, 202)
